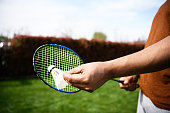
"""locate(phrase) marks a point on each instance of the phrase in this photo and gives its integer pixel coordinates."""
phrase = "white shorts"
(145, 105)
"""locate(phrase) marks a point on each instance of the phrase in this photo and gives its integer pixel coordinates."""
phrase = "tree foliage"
(99, 35)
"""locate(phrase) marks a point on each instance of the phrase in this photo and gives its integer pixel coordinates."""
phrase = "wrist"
(117, 67)
(110, 69)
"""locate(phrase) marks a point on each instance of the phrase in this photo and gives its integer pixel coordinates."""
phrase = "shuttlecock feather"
(58, 77)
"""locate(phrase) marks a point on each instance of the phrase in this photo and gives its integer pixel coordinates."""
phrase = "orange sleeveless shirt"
(156, 85)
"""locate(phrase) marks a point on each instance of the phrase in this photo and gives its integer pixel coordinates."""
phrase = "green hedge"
(18, 58)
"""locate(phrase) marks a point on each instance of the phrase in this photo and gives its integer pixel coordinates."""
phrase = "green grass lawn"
(33, 96)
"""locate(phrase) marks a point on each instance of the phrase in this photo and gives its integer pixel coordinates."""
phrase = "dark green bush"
(18, 59)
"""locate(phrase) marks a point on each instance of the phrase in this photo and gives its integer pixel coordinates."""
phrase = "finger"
(76, 70)
(126, 82)
(135, 78)
(121, 85)
(132, 87)
(82, 87)
(89, 90)
(122, 78)
(120, 81)
(74, 78)
(124, 86)
(125, 79)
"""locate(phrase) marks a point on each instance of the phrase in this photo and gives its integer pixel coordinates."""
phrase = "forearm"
(150, 59)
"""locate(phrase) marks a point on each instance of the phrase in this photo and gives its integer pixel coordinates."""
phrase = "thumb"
(76, 70)
(66, 75)
(126, 81)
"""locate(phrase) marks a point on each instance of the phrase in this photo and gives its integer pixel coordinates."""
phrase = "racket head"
(61, 57)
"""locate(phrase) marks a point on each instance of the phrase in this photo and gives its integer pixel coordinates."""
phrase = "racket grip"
(138, 85)
(120, 81)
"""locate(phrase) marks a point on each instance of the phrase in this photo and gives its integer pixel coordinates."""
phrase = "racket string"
(62, 58)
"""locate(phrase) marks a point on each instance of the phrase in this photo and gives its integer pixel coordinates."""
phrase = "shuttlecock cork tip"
(50, 68)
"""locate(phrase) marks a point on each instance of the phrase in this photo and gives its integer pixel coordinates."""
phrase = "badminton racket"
(51, 58)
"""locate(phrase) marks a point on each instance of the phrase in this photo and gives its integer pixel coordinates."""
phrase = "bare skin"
(130, 83)
(91, 76)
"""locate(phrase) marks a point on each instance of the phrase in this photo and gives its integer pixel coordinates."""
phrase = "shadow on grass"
(19, 80)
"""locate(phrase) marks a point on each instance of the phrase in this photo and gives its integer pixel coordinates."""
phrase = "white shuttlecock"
(58, 77)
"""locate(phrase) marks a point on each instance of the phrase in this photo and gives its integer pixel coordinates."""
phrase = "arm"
(150, 59)
(91, 76)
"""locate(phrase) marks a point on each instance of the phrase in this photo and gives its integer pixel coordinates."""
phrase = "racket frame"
(40, 75)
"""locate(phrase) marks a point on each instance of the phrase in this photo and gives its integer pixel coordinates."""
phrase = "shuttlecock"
(58, 77)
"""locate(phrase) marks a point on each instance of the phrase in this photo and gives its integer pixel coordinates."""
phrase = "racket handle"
(120, 81)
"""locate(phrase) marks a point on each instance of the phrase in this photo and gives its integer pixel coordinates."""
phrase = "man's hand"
(88, 77)
(130, 82)
(91, 76)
